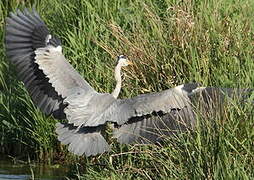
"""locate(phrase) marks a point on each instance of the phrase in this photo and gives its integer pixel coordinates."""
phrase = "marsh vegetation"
(171, 42)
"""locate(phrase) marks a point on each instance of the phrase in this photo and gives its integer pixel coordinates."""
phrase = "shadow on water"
(19, 170)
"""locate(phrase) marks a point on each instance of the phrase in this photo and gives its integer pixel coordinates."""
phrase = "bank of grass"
(171, 43)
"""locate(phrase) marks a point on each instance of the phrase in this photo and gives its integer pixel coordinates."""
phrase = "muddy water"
(10, 170)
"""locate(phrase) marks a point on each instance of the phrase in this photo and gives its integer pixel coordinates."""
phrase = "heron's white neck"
(118, 78)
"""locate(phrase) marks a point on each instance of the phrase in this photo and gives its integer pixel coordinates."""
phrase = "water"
(18, 171)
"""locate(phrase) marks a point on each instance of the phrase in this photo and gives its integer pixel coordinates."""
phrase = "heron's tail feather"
(82, 140)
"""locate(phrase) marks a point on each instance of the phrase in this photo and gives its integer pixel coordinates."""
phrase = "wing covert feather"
(146, 104)
(153, 128)
(63, 77)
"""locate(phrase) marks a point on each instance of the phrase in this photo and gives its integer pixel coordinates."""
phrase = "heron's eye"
(121, 57)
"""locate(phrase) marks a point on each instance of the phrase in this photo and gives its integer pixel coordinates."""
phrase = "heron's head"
(123, 61)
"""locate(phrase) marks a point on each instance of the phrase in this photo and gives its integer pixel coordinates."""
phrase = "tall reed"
(171, 42)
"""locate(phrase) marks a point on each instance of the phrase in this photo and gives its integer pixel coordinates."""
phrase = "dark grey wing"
(149, 117)
(30, 47)
(155, 127)
(124, 109)
(213, 98)
(178, 114)
(50, 80)
(24, 33)
(85, 140)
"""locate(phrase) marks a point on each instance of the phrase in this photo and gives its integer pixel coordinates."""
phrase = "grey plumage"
(57, 89)
(81, 141)
(154, 127)
(20, 46)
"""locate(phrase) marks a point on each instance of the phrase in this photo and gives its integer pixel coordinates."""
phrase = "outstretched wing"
(212, 99)
(175, 98)
(146, 118)
(52, 82)
(37, 55)
(153, 128)
(172, 111)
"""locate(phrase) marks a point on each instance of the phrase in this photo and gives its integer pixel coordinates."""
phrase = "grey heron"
(59, 90)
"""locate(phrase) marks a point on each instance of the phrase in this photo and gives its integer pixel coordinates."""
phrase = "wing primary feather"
(25, 32)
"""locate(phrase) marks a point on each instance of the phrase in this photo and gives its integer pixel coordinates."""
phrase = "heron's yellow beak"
(129, 62)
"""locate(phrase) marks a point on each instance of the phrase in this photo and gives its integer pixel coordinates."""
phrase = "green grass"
(171, 42)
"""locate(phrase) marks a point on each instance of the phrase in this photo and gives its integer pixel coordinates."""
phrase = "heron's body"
(58, 89)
